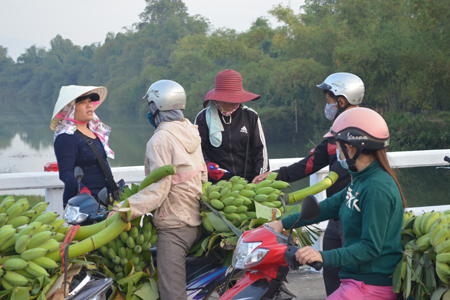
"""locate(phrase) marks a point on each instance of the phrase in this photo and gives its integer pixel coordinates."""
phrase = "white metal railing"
(49, 181)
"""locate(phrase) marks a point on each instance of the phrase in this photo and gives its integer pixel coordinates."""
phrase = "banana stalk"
(328, 181)
(87, 231)
(157, 174)
(101, 238)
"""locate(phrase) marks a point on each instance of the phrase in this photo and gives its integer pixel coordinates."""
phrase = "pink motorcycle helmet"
(361, 127)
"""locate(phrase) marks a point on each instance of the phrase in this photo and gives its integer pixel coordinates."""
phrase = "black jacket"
(321, 156)
(230, 155)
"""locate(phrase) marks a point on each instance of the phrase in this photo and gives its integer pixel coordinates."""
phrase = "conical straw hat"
(69, 93)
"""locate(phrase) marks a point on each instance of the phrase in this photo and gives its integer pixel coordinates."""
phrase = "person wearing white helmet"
(75, 123)
(174, 199)
(343, 91)
(371, 210)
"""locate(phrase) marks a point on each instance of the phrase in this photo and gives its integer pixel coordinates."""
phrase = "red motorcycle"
(267, 256)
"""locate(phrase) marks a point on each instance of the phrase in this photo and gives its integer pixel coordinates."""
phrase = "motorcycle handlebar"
(293, 263)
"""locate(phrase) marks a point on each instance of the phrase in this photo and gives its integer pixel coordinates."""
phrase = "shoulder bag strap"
(106, 171)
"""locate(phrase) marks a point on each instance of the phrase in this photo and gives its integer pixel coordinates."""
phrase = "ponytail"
(381, 156)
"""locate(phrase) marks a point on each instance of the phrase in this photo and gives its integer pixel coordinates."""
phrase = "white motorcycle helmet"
(345, 84)
(167, 95)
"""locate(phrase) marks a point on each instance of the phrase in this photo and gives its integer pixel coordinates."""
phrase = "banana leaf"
(228, 223)
(263, 211)
(148, 291)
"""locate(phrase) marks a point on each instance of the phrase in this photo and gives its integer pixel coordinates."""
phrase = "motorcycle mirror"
(309, 211)
(78, 173)
(310, 208)
(103, 197)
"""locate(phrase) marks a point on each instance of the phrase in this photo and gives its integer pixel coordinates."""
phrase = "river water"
(27, 147)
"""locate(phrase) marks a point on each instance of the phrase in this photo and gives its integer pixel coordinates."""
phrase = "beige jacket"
(175, 198)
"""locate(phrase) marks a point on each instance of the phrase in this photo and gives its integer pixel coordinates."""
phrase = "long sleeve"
(259, 149)
(66, 151)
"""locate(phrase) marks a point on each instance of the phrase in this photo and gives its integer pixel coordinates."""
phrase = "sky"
(24, 23)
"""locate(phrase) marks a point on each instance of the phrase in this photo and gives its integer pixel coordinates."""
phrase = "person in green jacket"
(371, 210)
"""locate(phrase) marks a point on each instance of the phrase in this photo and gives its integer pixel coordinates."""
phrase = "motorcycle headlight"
(73, 215)
(246, 256)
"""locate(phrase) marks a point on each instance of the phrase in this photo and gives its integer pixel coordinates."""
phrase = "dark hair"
(381, 156)
(93, 96)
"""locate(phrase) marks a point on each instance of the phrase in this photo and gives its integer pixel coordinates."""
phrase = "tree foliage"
(400, 49)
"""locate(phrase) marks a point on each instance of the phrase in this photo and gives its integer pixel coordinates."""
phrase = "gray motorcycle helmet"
(345, 84)
(167, 95)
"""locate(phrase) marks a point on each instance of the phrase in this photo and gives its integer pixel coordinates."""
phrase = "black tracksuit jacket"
(321, 156)
(230, 155)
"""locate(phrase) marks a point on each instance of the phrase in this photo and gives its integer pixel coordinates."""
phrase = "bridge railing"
(53, 187)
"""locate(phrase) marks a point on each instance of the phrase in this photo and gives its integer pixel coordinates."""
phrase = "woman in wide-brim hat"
(73, 120)
(233, 141)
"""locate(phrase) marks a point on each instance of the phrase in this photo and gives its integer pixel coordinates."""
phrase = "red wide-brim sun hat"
(228, 88)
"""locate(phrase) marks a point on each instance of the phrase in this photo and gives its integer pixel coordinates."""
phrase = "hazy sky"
(24, 23)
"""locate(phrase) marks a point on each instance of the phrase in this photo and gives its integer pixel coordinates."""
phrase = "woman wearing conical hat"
(73, 120)
(233, 141)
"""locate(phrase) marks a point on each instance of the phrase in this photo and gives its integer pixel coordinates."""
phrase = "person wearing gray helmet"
(342, 91)
(175, 199)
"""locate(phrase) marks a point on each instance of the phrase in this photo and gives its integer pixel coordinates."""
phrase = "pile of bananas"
(236, 198)
(231, 207)
(30, 242)
(129, 247)
(426, 242)
(26, 236)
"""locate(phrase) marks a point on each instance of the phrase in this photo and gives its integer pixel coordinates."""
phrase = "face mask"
(331, 111)
(150, 119)
(342, 162)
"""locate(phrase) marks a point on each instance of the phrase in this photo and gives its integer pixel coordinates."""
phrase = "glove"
(85, 190)
(213, 172)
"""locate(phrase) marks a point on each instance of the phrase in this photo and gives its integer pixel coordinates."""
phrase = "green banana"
(36, 270)
(33, 253)
(14, 264)
(443, 247)
(3, 219)
(45, 262)
(47, 217)
(22, 243)
(280, 185)
(18, 221)
(15, 279)
(423, 242)
(440, 236)
(15, 210)
(40, 207)
(443, 257)
(40, 238)
(431, 220)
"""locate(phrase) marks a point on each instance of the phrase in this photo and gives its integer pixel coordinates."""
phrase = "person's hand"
(261, 177)
(308, 255)
(111, 213)
(277, 226)
(85, 190)
(213, 171)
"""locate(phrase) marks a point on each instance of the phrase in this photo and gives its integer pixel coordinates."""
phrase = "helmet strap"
(341, 109)
(350, 161)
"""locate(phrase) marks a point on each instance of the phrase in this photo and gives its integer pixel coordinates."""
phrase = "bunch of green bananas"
(26, 236)
(128, 247)
(30, 242)
(236, 198)
(426, 241)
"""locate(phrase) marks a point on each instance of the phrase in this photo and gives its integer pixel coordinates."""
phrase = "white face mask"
(342, 162)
